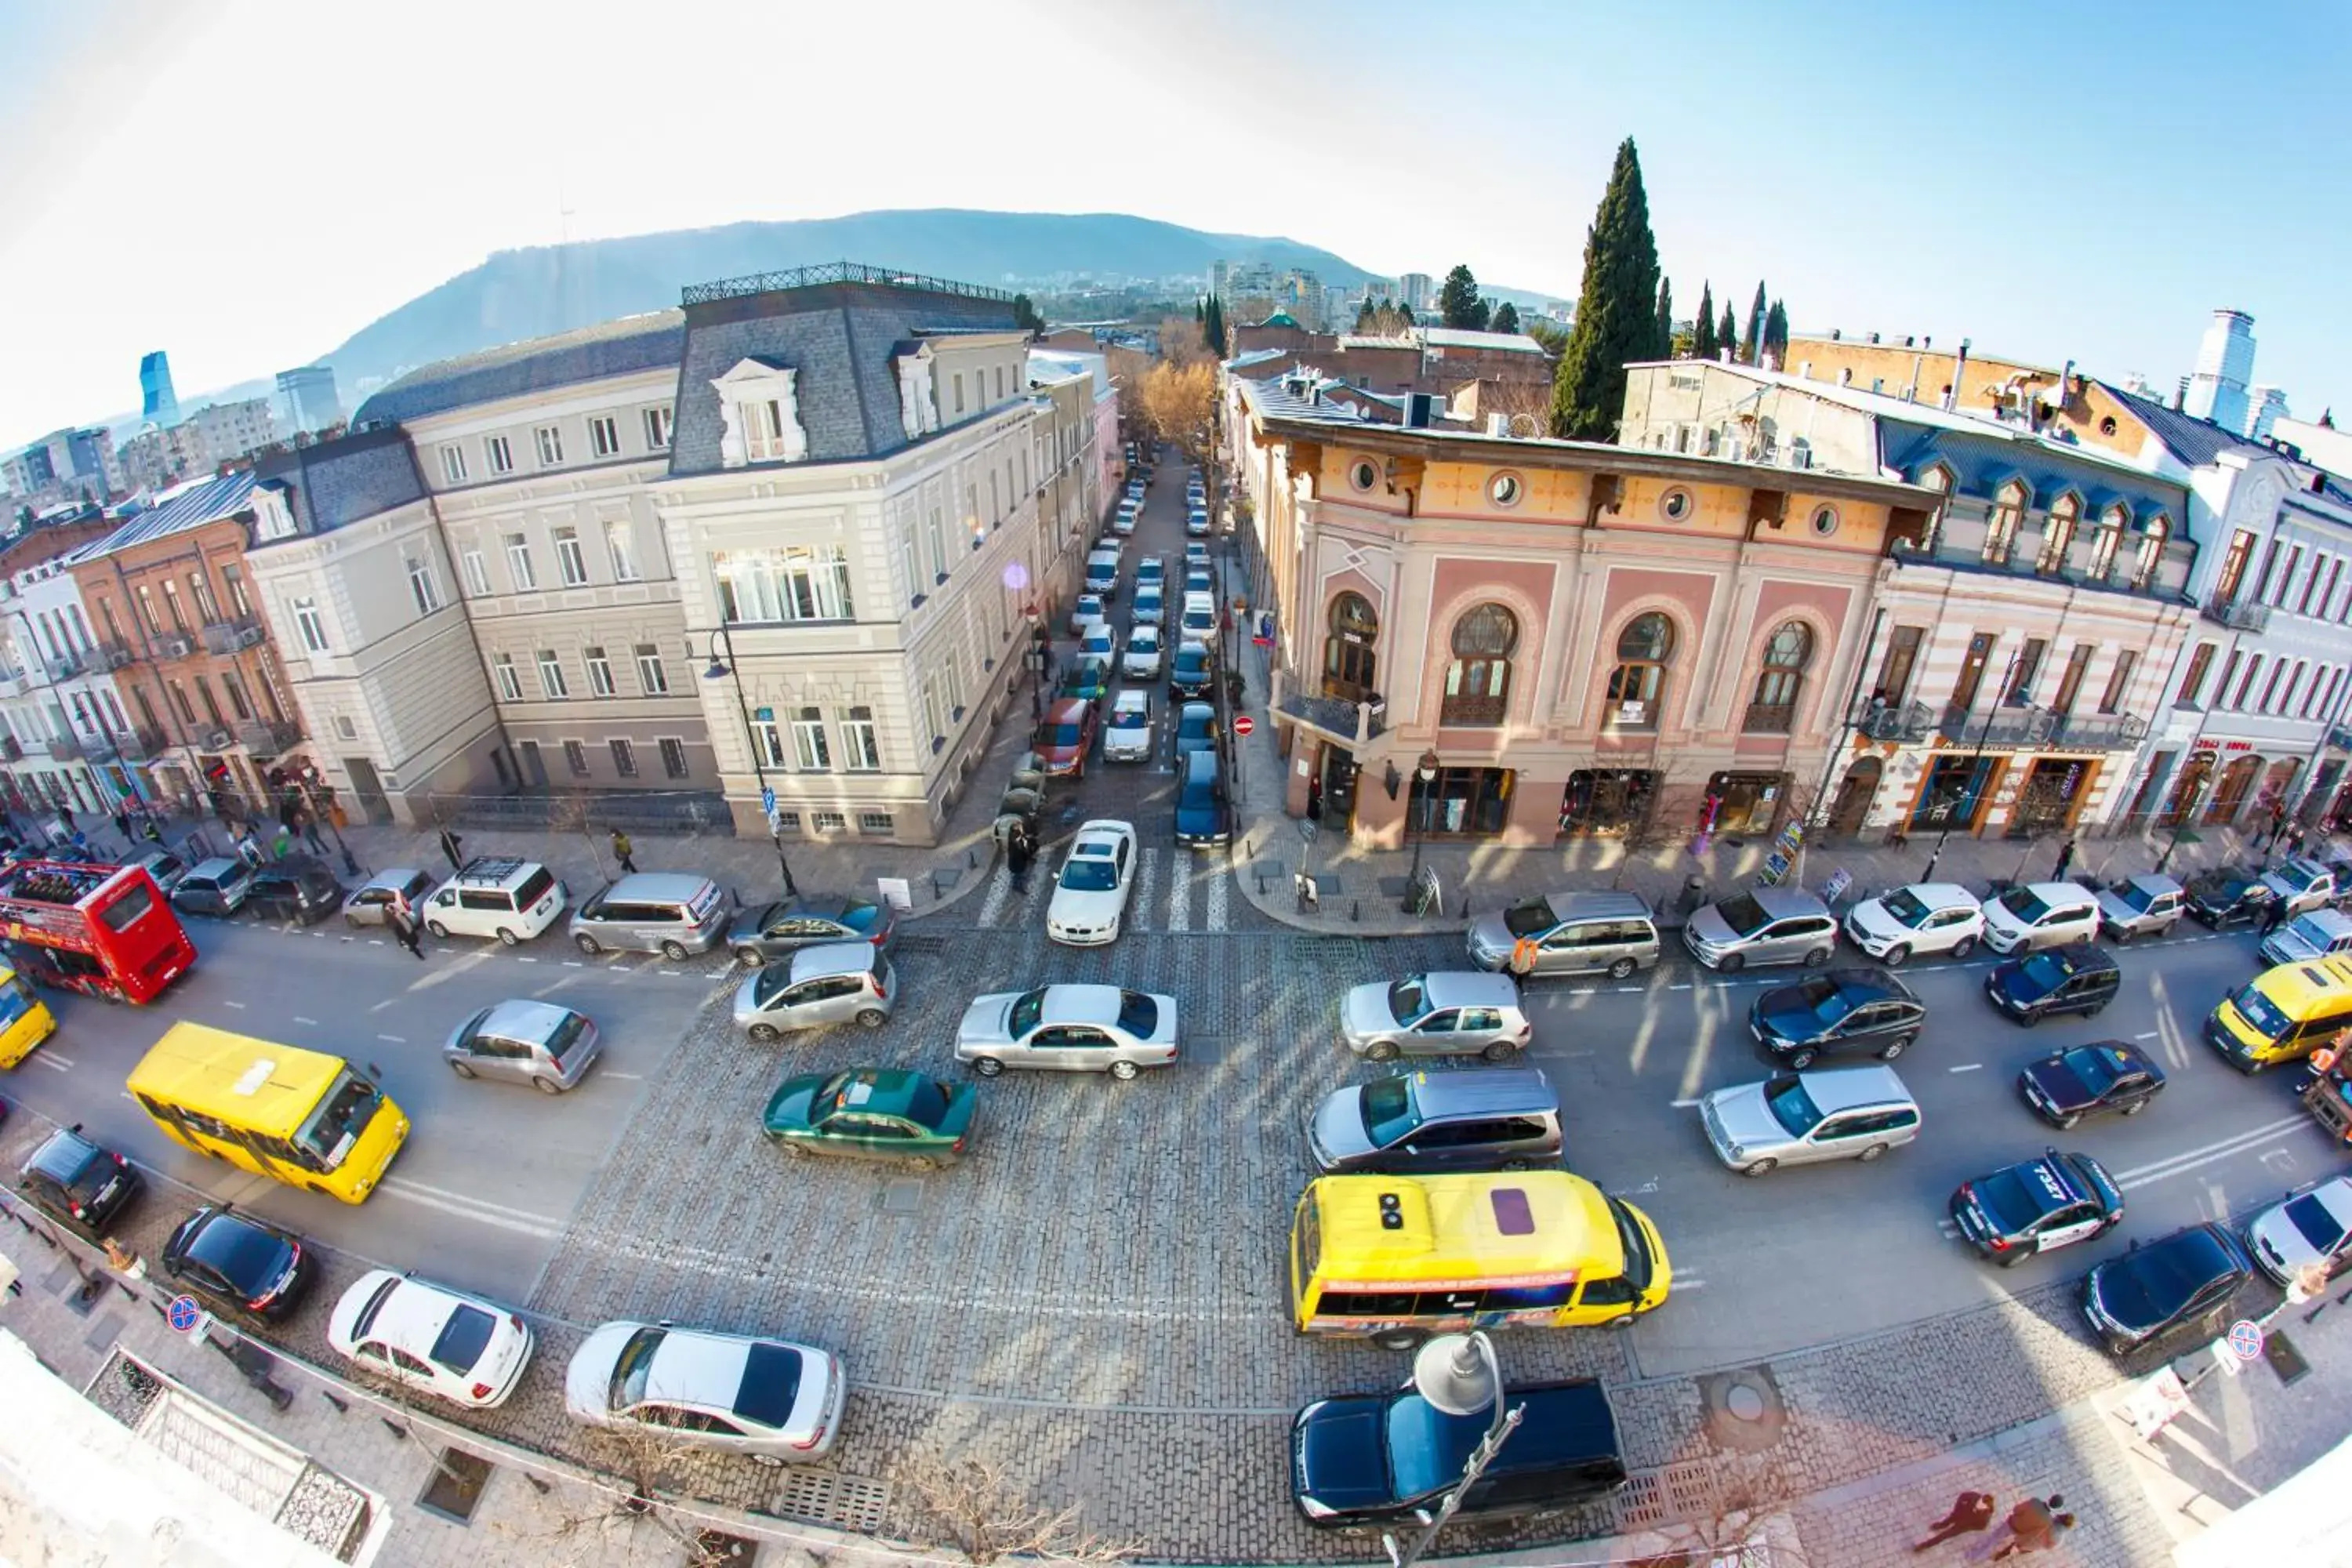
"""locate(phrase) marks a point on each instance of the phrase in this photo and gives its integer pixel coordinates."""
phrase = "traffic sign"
(768, 800)
(186, 1317)
(1243, 723)
(2246, 1339)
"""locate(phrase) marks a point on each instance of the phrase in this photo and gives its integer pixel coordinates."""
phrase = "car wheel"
(1800, 1060)
(676, 951)
(2166, 930)
(1622, 969)
(770, 1460)
(1896, 1047)
(587, 944)
(546, 1085)
(1399, 1338)
(1759, 1167)
(750, 957)
(1619, 1323)
(1816, 958)
(1730, 963)
(2065, 1123)
(987, 1067)
(2119, 936)
(1897, 956)
(353, 921)
(1965, 946)
(1873, 1153)
(2028, 1020)
(2014, 1257)
(1123, 1070)
(1381, 1051)
(1500, 1051)
(873, 1019)
(438, 929)
(2135, 1108)
(461, 1069)
(509, 936)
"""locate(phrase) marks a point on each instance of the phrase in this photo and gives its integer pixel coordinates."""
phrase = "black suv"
(2079, 977)
(238, 1264)
(2064, 1087)
(1837, 1011)
(1366, 1460)
(2185, 1280)
(2037, 1207)
(295, 889)
(79, 1185)
(2236, 896)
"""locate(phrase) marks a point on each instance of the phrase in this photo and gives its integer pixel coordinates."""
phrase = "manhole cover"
(903, 1195)
(1744, 1402)
(1743, 1409)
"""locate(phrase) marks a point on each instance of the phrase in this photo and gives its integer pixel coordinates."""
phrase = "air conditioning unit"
(247, 636)
(216, 741)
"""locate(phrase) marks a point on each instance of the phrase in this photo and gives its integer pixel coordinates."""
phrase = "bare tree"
(980, 1513)
(1740, 1491)
(633, 1462)
(1180, 403)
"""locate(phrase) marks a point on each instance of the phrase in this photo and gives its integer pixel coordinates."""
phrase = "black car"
(2184, 1281)
(1836, 1011)
(77, 1184)
(239, 1265)
(2079, 977)
(1369, 1459)
(2037, 1207)
(1204, 817)
(2066, 1086)
(783, 928)
(295, 889)
(2235, 897)
(1192, 672)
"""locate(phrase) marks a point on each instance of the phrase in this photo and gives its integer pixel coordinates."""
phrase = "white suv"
(513, 901)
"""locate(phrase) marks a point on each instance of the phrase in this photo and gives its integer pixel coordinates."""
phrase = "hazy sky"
(246, 182)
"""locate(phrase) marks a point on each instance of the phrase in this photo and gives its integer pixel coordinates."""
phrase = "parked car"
(1151, 572)
(79, 1183)
(1063, 736)
(1142, 658)
(2183, 1282)
(217, 886)
(1446, 1013)
(1124, 523)
(1196, 729)
(2320, 933)
(1199, 621)
(1366, 1460)
(1196, 524)
(296, 889)
(1418, 1123)
(1195, 554)
(1838, 1011)
(874, 1113)
(2065, 1085)
(2309, 1230)
(1086, 612)
(781, 929)
(166, 868)
(828, 983)
(511, 900)
(1072, 1029)
(371, 901)
(1569, 933)
(2037, 1206)
(770, 1400)
(1769, 925)
(2041, 914)
(2229, 896)
(1087, 679)
(1102, 572)
(2301, 883)
(1803, 1117)
(550, 1048)
(238, 1264)
(1204, 817)
(2141, 906)
(1150, 607)
(1129, 735)
(1100, 643)
(1198, 580)
(431, 1338)
(2079, 978)
(675, 913)
(1192, 673)
(1091, 889)
(1940, 917)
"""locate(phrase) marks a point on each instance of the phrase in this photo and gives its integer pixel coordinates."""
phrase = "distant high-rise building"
(2225, 364)
(1418, 291)
(306, 398)
(158, 403)
(2267, 405)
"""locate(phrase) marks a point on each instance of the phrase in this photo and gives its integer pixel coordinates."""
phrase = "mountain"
(518, 294)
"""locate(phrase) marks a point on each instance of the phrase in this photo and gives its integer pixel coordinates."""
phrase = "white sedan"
(1142, 660)
(1091, 890)
(1924, 918)
(768, 1399)
(431, 1338)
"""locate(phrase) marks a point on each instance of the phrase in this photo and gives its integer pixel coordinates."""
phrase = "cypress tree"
(1664, 347)
(1616, 309)
(1702, 344)
(1200, 313)
(1213, 327)
(1756, 314)
(1505, 318)
(1364, 315)
(1776, 334)
(1458, 304)
(1727, 333)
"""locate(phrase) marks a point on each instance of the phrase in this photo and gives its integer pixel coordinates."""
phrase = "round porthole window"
(2108, 426)
(1505, 489)
(1675, 505)
(1362, 475)
(1825, 520)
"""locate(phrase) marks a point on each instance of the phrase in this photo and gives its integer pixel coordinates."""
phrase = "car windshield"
(1090, 873)
(1743, 914)
(1065, 734)
(337, 1123)
(1530, 917)
(1792, 1107)
(770, 1385)
(1129, 718)
(2150, 1286)
(1389, 1111)
(2312, 932)
(1903, 906)
(2044, 972)
(859, 916)
(1027, 1009)
(2318, 1225)
(926, 1103)
(2261, 1014)
(1427, 1449)
(1138, 1015)
(769, 981)
(566, 1033)
(635, 1365)
(1190, 659)
(1408, 1000)
(2008, 1201)
(463, 1338)
(2025, 904)
(2096, 1069)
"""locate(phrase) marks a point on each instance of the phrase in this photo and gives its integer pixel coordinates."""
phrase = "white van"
(1200, 622)
(513, 901)
(1102, 573)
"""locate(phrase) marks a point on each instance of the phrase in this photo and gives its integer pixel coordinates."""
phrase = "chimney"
(1837, 332)
(1873, 337)
(1959, 374)
(1907, 342)
(1927, 342)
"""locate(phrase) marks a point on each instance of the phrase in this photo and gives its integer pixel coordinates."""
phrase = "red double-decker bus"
(105, 930)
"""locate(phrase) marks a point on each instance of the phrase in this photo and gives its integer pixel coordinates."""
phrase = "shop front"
(1460, 802)
(1607, 801)
(1740, 804)
(2186, 791)
(2231, 792)
(2053, 797)
(1953, 796)
(2323, 790)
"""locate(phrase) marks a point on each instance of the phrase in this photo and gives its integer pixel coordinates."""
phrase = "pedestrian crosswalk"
(1176, 890)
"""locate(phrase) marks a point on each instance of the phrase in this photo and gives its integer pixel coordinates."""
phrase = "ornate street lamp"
(1425, 772)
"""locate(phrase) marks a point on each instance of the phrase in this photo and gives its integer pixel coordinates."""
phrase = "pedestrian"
(2029, 1520)
(1017, 856)
(124, 1261)
(2273, 915)
(402, 920)
(122, 823)
(248, 848)
(1971, 1511)
(310, 821)
(455, 847)
(621, 848)
(2046, 1541)
(2065, 860)
(149, 831)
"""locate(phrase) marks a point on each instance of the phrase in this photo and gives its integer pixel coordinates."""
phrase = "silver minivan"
(537, 1043)
(1476, 1118)
(1804, 1117)
(1567, 933)
(1767, 925)
(676, 914)
(830, 983)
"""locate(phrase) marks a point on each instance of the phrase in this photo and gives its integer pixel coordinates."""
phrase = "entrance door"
(2181, 803)
(1855, 792)
(2051, 790)
(1955, 788)
(368, 790)
(1338, 802)
(1745, 802)
(2230, 795)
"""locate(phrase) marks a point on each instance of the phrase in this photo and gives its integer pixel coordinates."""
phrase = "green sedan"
(875, 1112)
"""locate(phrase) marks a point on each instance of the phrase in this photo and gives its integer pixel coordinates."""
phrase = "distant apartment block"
(307, 399)
(158, 403)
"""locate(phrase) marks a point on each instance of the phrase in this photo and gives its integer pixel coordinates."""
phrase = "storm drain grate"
(903, 1195)
(1676, 1492)
(908, 943)
(841, 1502)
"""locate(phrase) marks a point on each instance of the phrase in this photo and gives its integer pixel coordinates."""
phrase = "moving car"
(2065, 1085)
(1837, 1011)
(2036, 1206)
(1196, 524)
(1446, 1013)
(830, 983)
(524, 1041)
(1769, 925)
(1128, 514)
(2078, 978)
(1068, 1028)
(1416, 1123)
(2230, 896)
(1128, 737)
(216, 887)
(166, 868)
(2183, 1282)
(1149, 608)
(1151, 572)
(1142, 658)
(79, 1183)
(1199, 621)
(1204, 817)
(1102, 572)
(783, 928)
(1803, 1117)
(1088, 680)
(1195, 554)
(675, 913)
(371, 901)
(770, 1400)
(1574, 933)
(872, 1113)
(238, 1264)
(1193, 671)
(1365, 1460)
(1196, 729)
(2310, 1230)
(1091, 889)
(431, 1338)
(2320, 933)
(295, 889)
(2041, 914)
(2301, 883)
(2141, 906)
(1941, 918)
(1063, 736)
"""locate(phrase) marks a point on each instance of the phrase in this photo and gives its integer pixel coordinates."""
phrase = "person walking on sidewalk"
(1971, 1512)
(402, 920)
(1017, 856)
(2034, 1519)
(455, 847)
(622, 849)
(2065, 860)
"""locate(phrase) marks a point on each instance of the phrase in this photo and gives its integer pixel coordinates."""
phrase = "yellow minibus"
(25, 1020)
(2283, 1013)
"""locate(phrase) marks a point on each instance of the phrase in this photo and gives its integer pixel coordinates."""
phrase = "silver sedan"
(1068, 1028)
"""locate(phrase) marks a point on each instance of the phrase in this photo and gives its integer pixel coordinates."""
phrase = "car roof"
(888, 1091)
(2053, 892)
(1870, 984)
(396, 877)
(2152, 884)
(522, 1019)
(412, 1316)
(1474, 1090)
(821, 958)
(1469, 988)
(2079, 957)
(1779, 902)
(681, 886)
(1587, 904)
(63, 1155)
(2303, 867)
(1942, 895)
(1201, 767)
(1080, 1004)
(1834, 1089)
(2335, 923)
(1132, 700)
(1068, 709)
(692, 1366)
(1199, 712)
(1106, 830)
(216, 867)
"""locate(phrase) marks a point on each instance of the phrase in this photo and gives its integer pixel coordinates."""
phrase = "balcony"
(1472, 711)
(1768, 717)
(265, 739)
(64, 667)
(228, 637)
(2016, 729)
(64, 748)
(10, 749)
(136, 745)
(112, 655)
(174, 645)
(1884, 720)
(13, 683)
(2237, 613)
(1334, 718)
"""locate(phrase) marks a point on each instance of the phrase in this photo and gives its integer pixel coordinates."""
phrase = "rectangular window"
(1972, 670)
(2270, 692)
(2234, 565)
(624, 759)
(478, 575)
(310, 624)
(2070, 683)
(172, 601)
(2028, 666)
(423, 586)
(198, 584)
(550, 445)
(959, 392)
(2286, 578)
(657, 429)
(860, 742)
(605, 435)
(2327, 703)
(809, 742)
(509, 683)
(2119, 682)
(2192, 685)
(575, 758)
(2246, 683)
(772, 744)
(2327, 596)
(180, 701)
(2310, 584)
(518, 565)
(534, 771)
(1902, 658)
(453, 464)
(238, 604)
(497, 456)
(828, 822)
(551, 676)
(788, 585)
(568, 560)
(939, 540)
(876, 824)
(650, 673)
(621, 544)
(600, 672)
(673, 755)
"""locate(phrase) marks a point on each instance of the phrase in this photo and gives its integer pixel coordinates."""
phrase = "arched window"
(2000, 526)
(1637, 686)
(2058, 535)
(1349, 662)
(1774, 706)
(1938, 479)
(2109, 535)
(1479, 681)
(2151, 552)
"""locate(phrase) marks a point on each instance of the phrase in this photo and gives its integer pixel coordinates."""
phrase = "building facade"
(66, 741)
(306, 398)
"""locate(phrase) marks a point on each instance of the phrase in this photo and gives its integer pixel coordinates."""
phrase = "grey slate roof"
(330, 484)
(191, 507)
(591, 354)
(2194, 441)
(1982, 464)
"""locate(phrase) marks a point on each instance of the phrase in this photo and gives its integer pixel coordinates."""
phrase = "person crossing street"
(621, 850)
(404, 924)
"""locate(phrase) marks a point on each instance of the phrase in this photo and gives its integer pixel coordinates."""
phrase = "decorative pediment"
(918, 403)
(758, 404)
(273, 511)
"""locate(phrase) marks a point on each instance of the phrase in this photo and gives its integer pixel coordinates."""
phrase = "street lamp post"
(1459, 1375)
(722, 669)
(1424, 770)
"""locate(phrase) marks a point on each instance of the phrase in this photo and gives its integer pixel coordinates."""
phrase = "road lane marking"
(473, 1209)
(239, 1006)
(1683, 986)
(53, 1063)
(520, 959)
(395, 1039)
(573, 964)
(632, 1077)
(673, 974)
(1630, 990)
(2220, 1148)
(1967, 1066)
(2147, 1034)
(1683, 1104)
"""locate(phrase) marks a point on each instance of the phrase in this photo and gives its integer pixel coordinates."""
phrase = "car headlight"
(1736, 1151)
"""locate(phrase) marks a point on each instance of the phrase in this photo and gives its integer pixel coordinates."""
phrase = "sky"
(246, 183)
